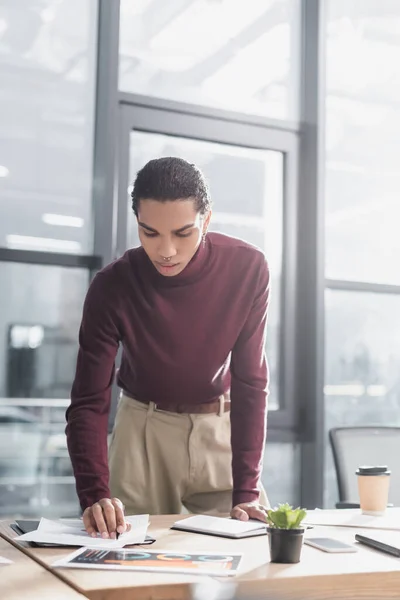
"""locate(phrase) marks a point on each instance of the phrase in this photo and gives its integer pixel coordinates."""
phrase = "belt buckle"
(156, 408)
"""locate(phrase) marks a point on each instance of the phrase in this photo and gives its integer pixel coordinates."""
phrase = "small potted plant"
(285, 534)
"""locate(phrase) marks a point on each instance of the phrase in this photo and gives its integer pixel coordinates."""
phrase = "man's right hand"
(106, 517)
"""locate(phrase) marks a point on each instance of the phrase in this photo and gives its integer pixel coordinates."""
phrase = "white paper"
(5, 561)
(74, 534)
(352, 517)
(219, 524)
(200, 567)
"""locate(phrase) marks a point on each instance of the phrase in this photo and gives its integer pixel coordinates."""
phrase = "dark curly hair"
(171, 178)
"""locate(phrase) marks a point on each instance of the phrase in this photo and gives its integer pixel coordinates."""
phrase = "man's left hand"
(249, 510)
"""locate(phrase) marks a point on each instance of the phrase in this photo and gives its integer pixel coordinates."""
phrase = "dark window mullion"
(57, 259)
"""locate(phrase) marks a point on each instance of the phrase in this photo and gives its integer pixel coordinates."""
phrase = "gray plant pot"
(285, 544)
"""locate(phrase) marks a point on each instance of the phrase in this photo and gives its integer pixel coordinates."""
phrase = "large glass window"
(281, 473)
(363, 132)
(247, 190)
(362, 385)
(227, 54)
(362, 365)
(39, 321)
(47, 74)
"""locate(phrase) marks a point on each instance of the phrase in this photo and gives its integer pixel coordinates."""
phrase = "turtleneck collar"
(190, 273)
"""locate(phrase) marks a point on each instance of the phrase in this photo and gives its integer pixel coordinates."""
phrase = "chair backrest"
(355, 446)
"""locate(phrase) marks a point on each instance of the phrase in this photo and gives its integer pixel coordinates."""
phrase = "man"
(189, 308)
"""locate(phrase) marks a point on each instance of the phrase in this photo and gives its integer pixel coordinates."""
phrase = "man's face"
(170, 233)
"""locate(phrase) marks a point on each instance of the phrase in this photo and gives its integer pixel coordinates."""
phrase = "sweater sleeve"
(249, 384)
(87, 415)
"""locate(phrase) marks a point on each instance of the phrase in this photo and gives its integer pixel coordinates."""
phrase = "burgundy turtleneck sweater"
(185, 339)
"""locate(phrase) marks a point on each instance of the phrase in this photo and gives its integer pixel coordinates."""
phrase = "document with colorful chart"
(199, 563)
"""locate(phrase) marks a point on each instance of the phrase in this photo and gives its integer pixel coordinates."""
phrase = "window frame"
(303, 284)
(233, 130)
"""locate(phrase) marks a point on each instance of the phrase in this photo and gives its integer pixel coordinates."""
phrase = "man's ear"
(207, 220)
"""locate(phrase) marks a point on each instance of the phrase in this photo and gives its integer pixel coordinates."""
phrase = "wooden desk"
(25, 578)
(366, 574)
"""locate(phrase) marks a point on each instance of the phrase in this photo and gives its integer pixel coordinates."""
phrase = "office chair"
(355, 446)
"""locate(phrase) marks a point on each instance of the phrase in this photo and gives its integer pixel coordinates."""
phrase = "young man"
(190, 310)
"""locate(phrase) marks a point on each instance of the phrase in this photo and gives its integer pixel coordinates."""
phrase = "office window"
(247, 190)
(362, 365)
(40, 312)
(227, 54)
(363, 132)
(47, 74)
(281, 473)
(362, 386)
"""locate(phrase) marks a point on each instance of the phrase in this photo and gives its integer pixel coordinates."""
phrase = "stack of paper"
(353, 517)
(74, 534)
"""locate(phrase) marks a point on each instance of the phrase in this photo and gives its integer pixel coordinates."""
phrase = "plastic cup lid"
(367, 470)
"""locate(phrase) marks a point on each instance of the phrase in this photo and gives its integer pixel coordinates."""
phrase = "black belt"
(194, 409)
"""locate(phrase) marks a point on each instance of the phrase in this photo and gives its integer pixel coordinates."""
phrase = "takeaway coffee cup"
(373, 489)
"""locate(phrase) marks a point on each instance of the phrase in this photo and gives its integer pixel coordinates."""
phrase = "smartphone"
(330, 545)
(26, 526)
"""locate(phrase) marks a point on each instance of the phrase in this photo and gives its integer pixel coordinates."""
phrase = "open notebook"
(220, 526)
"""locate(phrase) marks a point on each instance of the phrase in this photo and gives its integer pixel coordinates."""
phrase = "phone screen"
(26, 526)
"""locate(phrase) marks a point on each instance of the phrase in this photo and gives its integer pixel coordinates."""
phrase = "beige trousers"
(160, 461)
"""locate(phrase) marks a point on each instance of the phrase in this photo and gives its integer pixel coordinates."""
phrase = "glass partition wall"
(48, 79)
(362, 298)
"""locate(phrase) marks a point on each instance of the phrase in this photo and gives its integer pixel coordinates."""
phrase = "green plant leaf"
(285, 516)
(301, 514)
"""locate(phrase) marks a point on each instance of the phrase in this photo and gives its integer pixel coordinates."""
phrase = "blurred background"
(291, 109)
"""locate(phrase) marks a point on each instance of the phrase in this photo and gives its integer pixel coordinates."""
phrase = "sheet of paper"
(5, 561)
(219, 524)
(162, 561)
(70, 522)
(352, 517)
(56, 532)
